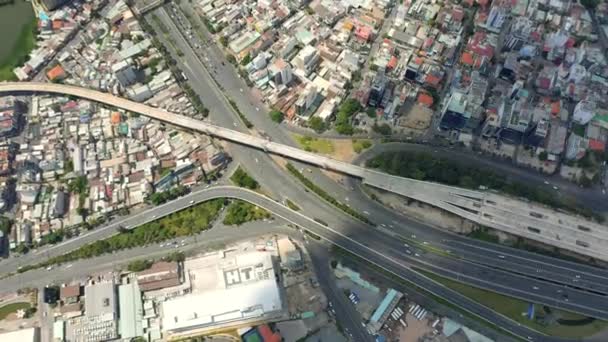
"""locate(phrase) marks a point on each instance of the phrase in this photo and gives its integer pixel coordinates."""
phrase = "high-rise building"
(307, 59)
(377, 89)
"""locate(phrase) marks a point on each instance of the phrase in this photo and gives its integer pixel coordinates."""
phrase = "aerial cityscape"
(303, 170)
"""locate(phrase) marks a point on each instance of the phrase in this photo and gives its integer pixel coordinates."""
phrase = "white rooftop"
(226, 287)
(23, 335)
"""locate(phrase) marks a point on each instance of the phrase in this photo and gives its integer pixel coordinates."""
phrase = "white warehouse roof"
(245, 288)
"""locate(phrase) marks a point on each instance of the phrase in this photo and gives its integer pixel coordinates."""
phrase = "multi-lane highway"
(282, 185)
(439, 265)
(368, 249)
(489, 209)
(367, 243)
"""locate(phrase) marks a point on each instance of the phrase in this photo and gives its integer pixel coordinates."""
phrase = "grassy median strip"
(515, 309)
(241, 178)
(292, 205)
(321, 193)
(236, 108)
(190, 221)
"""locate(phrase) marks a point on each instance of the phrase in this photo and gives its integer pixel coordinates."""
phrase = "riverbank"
(22, 46)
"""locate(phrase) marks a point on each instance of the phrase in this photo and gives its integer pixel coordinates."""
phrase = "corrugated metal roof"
(131, 311)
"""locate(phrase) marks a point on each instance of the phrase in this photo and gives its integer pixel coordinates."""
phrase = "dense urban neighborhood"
(304, 170)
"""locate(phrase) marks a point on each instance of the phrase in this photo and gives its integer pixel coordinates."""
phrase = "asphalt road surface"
(376, 248)
(282, 185)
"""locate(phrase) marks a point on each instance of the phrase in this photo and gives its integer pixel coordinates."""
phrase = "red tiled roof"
(597, 145)
(57, 24)
(467, 59)
(55, 73)
(268, 335)
(392, 62)
(69, 291)
(425, 99)
(432, 80)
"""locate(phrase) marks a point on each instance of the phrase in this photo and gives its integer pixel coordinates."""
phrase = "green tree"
(240, 212)
(139, 265)
(79, 185)
(276, 116)
(543, 156)
(231, 59)
(82, 212)
(176, 257)
(5, 225)
(69, 166)
(317, 124)
(246, 60)
(224, 41)
(22, 248)
(383, 129)
(346, 111)
(590, 4)
(585, 181)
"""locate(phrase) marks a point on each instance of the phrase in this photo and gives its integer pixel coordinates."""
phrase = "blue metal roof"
(390, 295)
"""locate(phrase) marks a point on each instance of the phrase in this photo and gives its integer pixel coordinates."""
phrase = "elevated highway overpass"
(510, 215)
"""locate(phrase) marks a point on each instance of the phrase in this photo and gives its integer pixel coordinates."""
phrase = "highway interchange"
(346, 232)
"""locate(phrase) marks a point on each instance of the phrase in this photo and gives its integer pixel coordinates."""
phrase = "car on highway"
(191, 202)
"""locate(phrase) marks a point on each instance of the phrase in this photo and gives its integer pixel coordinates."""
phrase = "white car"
(191, 202)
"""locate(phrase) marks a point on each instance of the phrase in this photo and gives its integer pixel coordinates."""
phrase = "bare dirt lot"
(416, 117)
